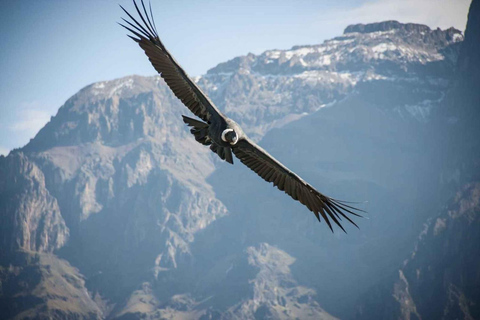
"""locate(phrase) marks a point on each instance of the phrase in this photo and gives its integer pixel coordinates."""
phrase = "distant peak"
(385, 26)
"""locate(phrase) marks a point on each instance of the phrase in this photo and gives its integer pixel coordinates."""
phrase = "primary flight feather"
(224, 135)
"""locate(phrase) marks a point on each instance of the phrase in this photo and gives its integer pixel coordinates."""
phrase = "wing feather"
(271, 170)
(176, 78)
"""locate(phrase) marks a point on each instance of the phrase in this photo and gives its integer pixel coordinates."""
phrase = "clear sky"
(51, 49)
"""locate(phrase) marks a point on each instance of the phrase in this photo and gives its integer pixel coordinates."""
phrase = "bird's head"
(230, 136)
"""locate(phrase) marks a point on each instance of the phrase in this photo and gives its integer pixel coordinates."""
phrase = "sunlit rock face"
(31, 219)
(115, 203)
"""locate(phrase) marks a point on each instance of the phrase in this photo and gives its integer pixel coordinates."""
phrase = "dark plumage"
(222, 134)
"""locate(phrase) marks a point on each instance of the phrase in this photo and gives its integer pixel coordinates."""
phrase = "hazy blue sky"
(51, 49)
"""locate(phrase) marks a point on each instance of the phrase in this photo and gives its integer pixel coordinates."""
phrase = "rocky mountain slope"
(114, 211)
(440, 277)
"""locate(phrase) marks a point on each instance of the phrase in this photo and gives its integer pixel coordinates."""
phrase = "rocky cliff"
(439, 279)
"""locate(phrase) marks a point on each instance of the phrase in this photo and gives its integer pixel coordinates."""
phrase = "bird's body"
(220, 135)
(224, 135)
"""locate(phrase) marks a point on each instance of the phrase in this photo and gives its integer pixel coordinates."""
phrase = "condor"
(224, 135)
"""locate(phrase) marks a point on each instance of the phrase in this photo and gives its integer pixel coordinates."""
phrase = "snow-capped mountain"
(114, 211)
(361, 48)
(279, 86)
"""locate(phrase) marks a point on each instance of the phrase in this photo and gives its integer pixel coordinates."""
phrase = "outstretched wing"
(271, 170)
(176, 78)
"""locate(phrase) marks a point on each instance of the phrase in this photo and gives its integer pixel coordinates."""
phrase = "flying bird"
(222, 134)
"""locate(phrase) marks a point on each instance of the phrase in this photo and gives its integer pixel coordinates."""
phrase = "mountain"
(114, 211)
(369, 143)
(439, 278)
(100, 182)
(411, 62)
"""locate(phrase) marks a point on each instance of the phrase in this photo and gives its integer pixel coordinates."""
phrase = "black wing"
(175, 77)
(271, 170)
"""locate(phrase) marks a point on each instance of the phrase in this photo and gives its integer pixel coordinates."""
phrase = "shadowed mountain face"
(439, 279)
(114, 211)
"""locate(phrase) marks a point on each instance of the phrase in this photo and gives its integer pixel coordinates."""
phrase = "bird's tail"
(199, 130)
